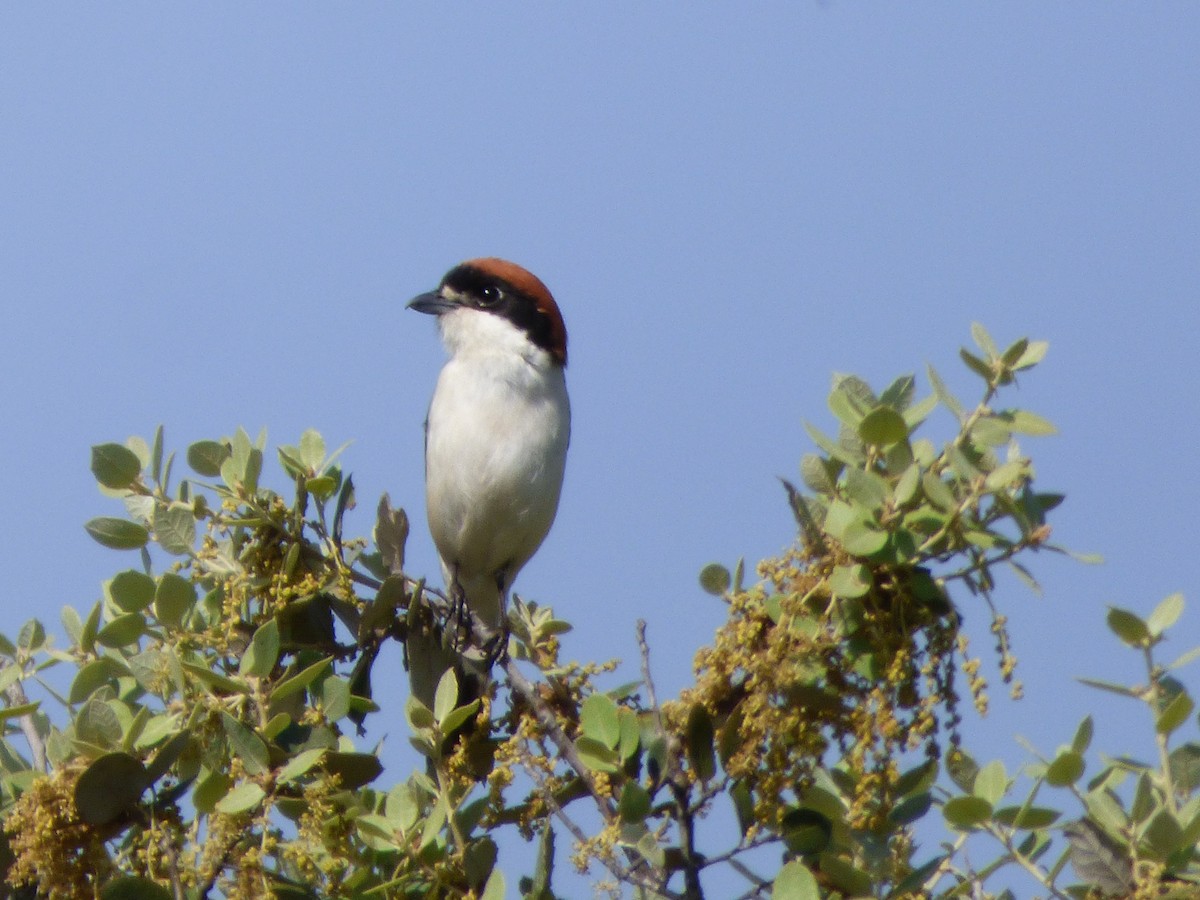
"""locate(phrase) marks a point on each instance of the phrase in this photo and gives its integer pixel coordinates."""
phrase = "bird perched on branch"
(497, 432)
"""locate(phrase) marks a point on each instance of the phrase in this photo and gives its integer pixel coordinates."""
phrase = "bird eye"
(490, 295)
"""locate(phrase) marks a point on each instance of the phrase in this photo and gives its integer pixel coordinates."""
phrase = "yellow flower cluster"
(55, 851)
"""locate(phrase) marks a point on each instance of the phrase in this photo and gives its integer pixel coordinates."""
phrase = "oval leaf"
(1066, 769)
(108, 787)
(715, 579)
(599, 719)
(883, 426)
(263, 652)
(122, 631)
(242, 798)
(795, 882)
(117, 534)
(115, 466)
(131, 590)
(205, 458)
(173, 599)
(1128, 627)
(966, 813)
(131, 887)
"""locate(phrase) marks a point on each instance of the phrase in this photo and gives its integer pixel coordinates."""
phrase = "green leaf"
(962, 769)
(846, 407)
(795, 882)
(806, 831)
(246, 745)
(883, 426)
(216, 680)
(866, 489)
(898, 395)
(838, 518)
(907, 484)
(495, 887)
(108, 787)
(966, 813)
(1111, 687)
(114, 466)
(635, 803)
(599, 720)
(446, 697)
(860, 539)
(852, 880)
(32, 636)
(991, 782)
(1128, 627)
(715, 579)
(818, 474)
(93, 675)
(698, 737)
(205, 457)
(243, 798)
(1023, 421)
(1175, 713)
(915, 415)
(23, 709)
(910, 809)
(354, 770)
(596, 756)
(938, 492)
(131, 590)
(209, 790)
(122, 631)
(335, 698)
(458, 717)
(1066, 769)
(321, 486)
(262, 654)
(1032, 355)
(312, 449)
(977, 365)
(168, 754)
(117, 534)
(97, 724)
(1083, 735)
(850, 582)
(1164, 834)
(1165, 615)
(1027, 817)
(943, 394)
(983, 340)
(301, 679)
(175, 528)
(1015, 351)
(131, 887)
(173, 599)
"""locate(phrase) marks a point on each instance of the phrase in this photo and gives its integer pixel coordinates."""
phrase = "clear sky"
(212, 215)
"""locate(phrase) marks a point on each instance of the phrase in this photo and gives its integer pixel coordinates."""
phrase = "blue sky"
(212, 216)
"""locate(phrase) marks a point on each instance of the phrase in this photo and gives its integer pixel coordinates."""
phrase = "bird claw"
(459, 619)
(495, 648)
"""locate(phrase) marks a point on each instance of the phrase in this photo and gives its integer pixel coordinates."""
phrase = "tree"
(207, 745)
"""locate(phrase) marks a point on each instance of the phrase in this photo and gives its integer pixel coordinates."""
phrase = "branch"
(15, 693)
(680, 789)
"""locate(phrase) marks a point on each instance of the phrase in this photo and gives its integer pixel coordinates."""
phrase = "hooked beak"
(433, 303)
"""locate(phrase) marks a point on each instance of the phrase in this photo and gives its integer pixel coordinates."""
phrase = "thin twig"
(627, 875)
(566, 749)
(680, 788)
(15, 693)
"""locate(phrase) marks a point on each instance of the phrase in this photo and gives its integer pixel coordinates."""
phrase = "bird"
(497, 431)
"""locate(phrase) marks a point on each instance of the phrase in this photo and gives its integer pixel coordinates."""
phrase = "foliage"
(207, 743)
